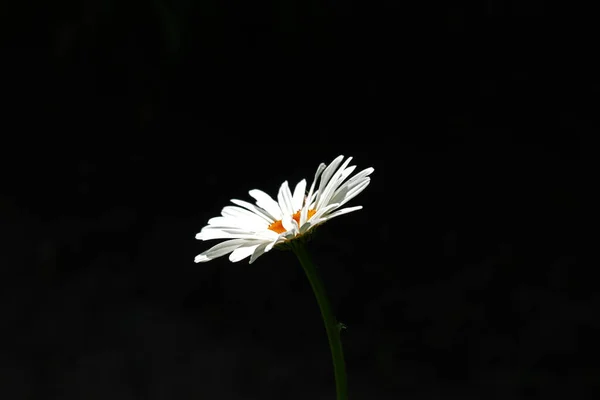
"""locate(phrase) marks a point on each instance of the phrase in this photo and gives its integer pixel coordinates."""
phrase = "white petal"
(320, 170)
(325, 190)
(316, 216)
(310, 197)
(210, 232)
(242, 252)
(356, 179)
(310, 224)
(355, 191)
(340, 194)
(328, 173)
(289, 224)
(348, 188)
(224, 221)
(325, 210)
(343, 211)
(287, 236)
(257, 210)
(239, 212)
(219, 250)
(271, 245)
(321, 219)
(265, 201)
(298, 196)
(238, 223)
(259, 251)
(284, 197)
(307, 226)
(334, 183)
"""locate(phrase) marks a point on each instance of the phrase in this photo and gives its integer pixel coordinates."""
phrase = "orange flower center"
(277, 226)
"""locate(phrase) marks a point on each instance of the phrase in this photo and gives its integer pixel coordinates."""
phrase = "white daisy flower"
(254, 229)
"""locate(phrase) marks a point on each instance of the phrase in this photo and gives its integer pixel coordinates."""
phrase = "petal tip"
(201, 258)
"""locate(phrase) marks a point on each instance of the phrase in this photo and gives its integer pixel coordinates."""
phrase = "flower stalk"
(332, 327)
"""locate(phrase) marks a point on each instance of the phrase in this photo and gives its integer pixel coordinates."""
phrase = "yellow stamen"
(277, 226)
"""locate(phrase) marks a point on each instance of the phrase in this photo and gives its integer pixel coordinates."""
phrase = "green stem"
(331, 326)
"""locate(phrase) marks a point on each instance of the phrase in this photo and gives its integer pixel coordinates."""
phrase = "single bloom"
(254, 229)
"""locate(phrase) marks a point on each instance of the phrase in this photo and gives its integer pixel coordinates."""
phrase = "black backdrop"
(127, 126)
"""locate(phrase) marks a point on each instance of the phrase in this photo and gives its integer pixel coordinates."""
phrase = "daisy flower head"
(254, 229)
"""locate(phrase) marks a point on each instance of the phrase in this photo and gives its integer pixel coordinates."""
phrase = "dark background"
(126, 126)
